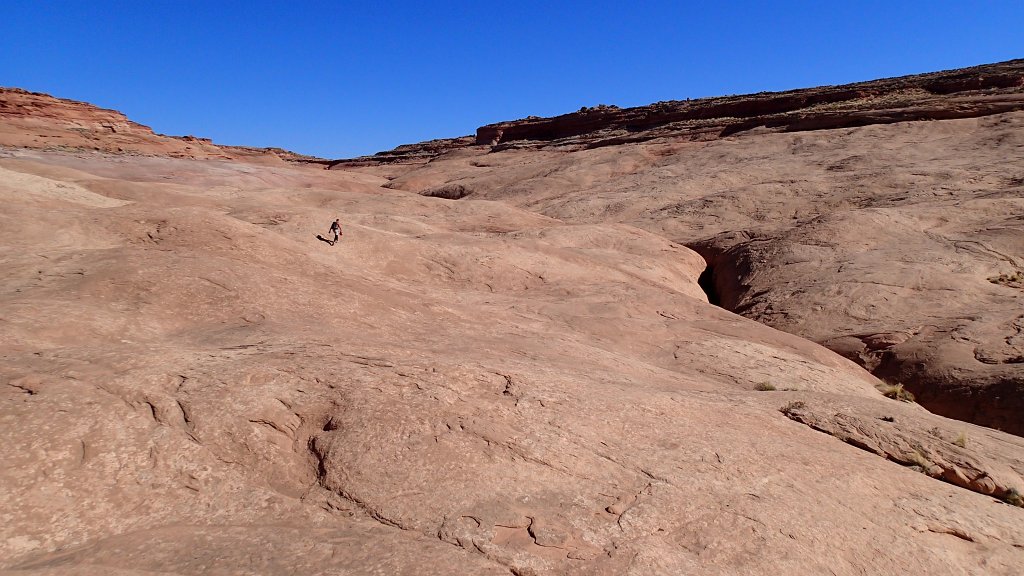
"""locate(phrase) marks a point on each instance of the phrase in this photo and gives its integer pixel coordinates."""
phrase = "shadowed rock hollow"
(527, 379)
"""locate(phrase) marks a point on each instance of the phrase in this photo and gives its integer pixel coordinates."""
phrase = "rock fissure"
(707, 283)
(932, 455)
(323, 481)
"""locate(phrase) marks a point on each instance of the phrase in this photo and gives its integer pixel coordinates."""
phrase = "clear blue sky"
(339, 79)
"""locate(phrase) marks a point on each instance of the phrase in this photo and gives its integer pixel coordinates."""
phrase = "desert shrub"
(1014, 497)
(1007, 279)
(961, 440)
(764, 387)
(791, 407)
(919, 461)
(897, 392)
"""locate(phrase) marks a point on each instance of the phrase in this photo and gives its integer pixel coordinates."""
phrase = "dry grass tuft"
(897, 392)
(961, 440)
(1014, 497)
(919, 462)
(1016, 279)
(791, 407)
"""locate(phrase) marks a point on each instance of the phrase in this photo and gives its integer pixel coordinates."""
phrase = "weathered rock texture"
(899, 245)
(965, 93)
(35, 120)
(192, 383)
(421, 152)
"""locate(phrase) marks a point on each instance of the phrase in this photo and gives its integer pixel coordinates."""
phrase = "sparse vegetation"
(961, 440)
(897, 392)
(1017, 278)
(599, 107)
(919, 461)
(1014, 497)
(764, 387)
(793, 406)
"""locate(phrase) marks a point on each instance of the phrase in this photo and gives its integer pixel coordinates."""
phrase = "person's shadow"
(322, 239)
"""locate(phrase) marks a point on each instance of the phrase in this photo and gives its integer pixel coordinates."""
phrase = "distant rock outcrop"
(408, 153)
(962, 93)
(40, 121)
(978, 91)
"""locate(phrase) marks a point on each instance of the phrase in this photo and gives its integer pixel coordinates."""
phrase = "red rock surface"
(507, 365)
(964, 93)
(909, 219)
(36, 120)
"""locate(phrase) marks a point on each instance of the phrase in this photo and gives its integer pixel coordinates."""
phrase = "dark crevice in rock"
(995, 401)
(707, 284)
(721, 279)
(450, 191)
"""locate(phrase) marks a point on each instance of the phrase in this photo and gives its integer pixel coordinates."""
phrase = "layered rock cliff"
(961, 93)
(40, 121)
(964, 93)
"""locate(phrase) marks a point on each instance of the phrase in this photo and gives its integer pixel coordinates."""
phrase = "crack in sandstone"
(320, 455)
(952, 532)
(24, 388)
(922, 450)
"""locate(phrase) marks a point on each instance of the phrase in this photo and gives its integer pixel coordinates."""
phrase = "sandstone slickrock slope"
(894, 243)
(527, 380)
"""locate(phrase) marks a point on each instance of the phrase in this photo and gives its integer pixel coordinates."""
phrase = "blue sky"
(340, 79)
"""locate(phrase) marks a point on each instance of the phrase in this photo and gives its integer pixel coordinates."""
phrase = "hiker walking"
(336, 230)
